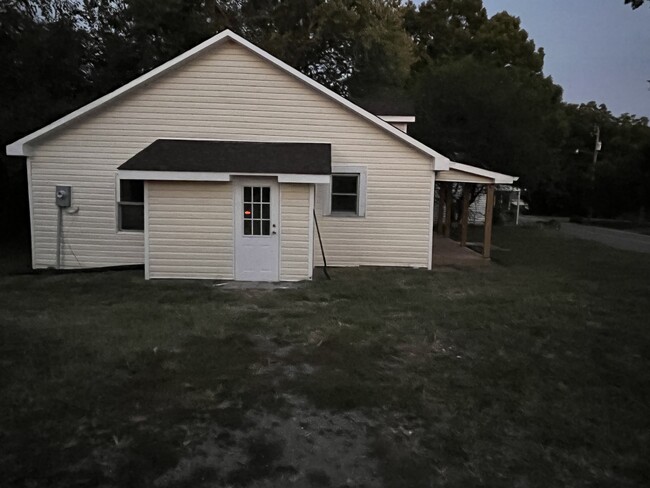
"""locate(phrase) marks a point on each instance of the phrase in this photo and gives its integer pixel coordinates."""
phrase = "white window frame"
(362, 173)
(118, 202)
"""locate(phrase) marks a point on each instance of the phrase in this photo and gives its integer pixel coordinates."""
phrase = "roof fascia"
(18, 148)
(400, 119)
(499, 178)
(440, 162)
(125, 174)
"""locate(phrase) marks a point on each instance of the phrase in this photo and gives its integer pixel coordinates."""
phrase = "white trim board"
(499, 178)
(432, 210)
(21, 146)
(312, 202)
(398, 119)
(31, 211)
(225, 177)
(146, 231)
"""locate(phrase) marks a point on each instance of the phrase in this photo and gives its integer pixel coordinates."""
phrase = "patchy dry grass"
(532, 372)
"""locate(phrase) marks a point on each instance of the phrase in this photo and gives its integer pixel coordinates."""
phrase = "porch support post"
(441, 199)
(449, 208)
(465, 217)
(489, 213)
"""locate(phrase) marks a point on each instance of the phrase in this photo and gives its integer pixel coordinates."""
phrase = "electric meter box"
(63, 196)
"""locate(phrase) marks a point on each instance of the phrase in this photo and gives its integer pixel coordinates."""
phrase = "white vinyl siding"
(229, 93)
(190, 230)
(294, 232)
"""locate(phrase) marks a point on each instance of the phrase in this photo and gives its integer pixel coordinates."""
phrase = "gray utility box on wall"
(63, 196)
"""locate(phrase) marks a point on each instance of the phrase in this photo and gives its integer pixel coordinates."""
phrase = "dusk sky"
(595, 49)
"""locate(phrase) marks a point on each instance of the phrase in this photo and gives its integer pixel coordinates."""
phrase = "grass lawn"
(534, 371)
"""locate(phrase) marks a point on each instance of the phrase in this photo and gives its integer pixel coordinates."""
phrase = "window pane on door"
(257, 211)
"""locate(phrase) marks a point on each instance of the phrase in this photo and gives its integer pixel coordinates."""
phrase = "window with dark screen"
(345, 193)
(131, 205)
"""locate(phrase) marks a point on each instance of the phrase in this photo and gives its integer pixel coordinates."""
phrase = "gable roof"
(20, 147)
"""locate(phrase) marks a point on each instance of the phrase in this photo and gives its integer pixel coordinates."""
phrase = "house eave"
(18, 148)
(217, 177)
(491, 177)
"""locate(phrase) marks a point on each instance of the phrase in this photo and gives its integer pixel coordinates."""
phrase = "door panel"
(257, 250)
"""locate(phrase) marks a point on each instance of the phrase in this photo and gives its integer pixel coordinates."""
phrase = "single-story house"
(226, 163)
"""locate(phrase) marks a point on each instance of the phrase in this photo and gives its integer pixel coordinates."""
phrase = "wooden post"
(489, 214)
(465, 217)
(441, 198)
(449, 209)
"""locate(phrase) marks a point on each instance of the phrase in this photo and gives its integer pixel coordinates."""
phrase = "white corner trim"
(310, 258)
(499, 178)
(431, 214)
(398, 119)
(280, 227)
(146, 230)
(209, 176)
(31, 211)
(20, 147)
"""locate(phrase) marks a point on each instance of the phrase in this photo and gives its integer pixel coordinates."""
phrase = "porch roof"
(205, 156)
(464, 173)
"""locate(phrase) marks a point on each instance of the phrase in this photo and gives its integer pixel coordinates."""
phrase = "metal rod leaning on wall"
(322, 250)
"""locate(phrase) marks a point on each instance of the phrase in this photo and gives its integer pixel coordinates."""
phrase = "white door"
(257, 251)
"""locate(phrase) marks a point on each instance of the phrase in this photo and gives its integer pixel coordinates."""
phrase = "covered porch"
(464, 181)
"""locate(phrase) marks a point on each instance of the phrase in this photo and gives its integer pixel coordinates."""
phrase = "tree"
(347, 45)
(634, 3)
(501, 41)
(133, 36)
(444, 29)
(622, 173)
(505, 119)
(37, 85)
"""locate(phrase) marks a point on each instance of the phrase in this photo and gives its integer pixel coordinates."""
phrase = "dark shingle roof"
(227, 157)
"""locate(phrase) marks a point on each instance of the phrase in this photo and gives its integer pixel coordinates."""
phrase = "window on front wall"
(131, 205)
(345, 193)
